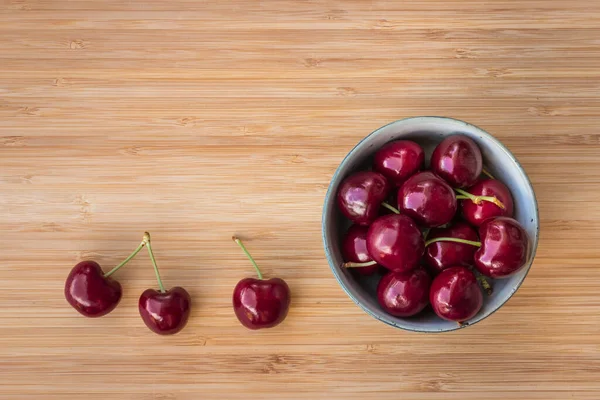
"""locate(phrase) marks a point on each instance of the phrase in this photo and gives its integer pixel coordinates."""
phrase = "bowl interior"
(428, 132)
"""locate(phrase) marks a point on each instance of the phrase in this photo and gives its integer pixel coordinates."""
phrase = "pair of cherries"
(94, 293)
(258, 303)
(429, 200)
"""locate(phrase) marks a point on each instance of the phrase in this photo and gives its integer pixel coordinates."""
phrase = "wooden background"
(198, 119)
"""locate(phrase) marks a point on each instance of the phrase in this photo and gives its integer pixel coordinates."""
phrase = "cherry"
(455, 294)
(360, 195)
(92, 292)
(354, 251)
(395, 242)
(491, 198)
(260, 303)
(445, 254)
(427, 199)
(404, 294)
(457, 160)
(165, 312)
(504, 246)
(399, 160)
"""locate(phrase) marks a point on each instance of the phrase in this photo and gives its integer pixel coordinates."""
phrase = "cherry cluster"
(438, 234)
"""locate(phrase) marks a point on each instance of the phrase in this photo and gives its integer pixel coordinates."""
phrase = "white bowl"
(428, 132)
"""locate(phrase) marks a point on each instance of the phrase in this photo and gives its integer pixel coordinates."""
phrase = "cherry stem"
(479, 199)
(426, 233)
(239, 242)
(358, 265)
(485, 285)
(125, 261)
(390, 207)
(151, 254)
(487, 173)
(452, 239)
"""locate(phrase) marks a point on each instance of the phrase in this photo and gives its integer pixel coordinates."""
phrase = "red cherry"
(260, 303)
(404, 294)
(457, 160)
(399, 160)
(360, 195)
(165, 313)
(477, 213)
(504, 247)
(455, 294)
(427, 199)
(395, 242)
(90, 292)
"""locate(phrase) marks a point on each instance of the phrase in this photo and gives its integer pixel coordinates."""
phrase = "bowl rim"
(329, 194)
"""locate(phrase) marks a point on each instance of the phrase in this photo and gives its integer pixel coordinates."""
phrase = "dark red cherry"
(404, 294)
(442, 255)
(455, 294)
(395, 242)
(165, 313)
(354, 249)
(476, 214)
(504, 247)
(399, 160)
(457, 159)
(427, 199)
(360, 195)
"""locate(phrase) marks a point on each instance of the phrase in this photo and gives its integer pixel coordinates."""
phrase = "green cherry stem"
(125, 261)
(151, 254)
(479, 199)
(239, 242)
(390, 207)
(487, 173)
(452, 239)
(358, 265)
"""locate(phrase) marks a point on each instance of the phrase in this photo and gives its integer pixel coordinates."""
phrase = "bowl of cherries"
(430, 224)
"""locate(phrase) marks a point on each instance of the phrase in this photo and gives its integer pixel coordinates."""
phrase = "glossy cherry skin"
(89, 292)
(427, 199)
(442, 255)
(399, 160)
(455, 294)
(260, 303)
(476, 214)
(354, 249)
(395, 242)
(360, 195)
(504, 246)
(457, 160)
(165, 313)
(404, 294)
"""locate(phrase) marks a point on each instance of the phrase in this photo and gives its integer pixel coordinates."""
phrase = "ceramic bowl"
(428, 132)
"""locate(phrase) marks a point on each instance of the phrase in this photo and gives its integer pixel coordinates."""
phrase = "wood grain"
(198, 119)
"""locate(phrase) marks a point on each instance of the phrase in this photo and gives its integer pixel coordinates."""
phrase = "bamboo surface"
(199, 119)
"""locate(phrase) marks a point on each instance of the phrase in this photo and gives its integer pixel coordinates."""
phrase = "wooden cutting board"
(199, 119)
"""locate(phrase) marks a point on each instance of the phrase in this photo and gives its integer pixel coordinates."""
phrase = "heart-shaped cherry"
(92, 292)
(457, 160)
(404, 294)
(354, 251)
(455, 294)
(445, 254)
(399, 160)
(395, 242)
(260, 303)
(427, 199)
(165, 312)
(491, 198)
(504, 247)
(361, 194)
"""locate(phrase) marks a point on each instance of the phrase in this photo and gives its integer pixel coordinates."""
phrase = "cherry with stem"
(260, 303)
(164, 312)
